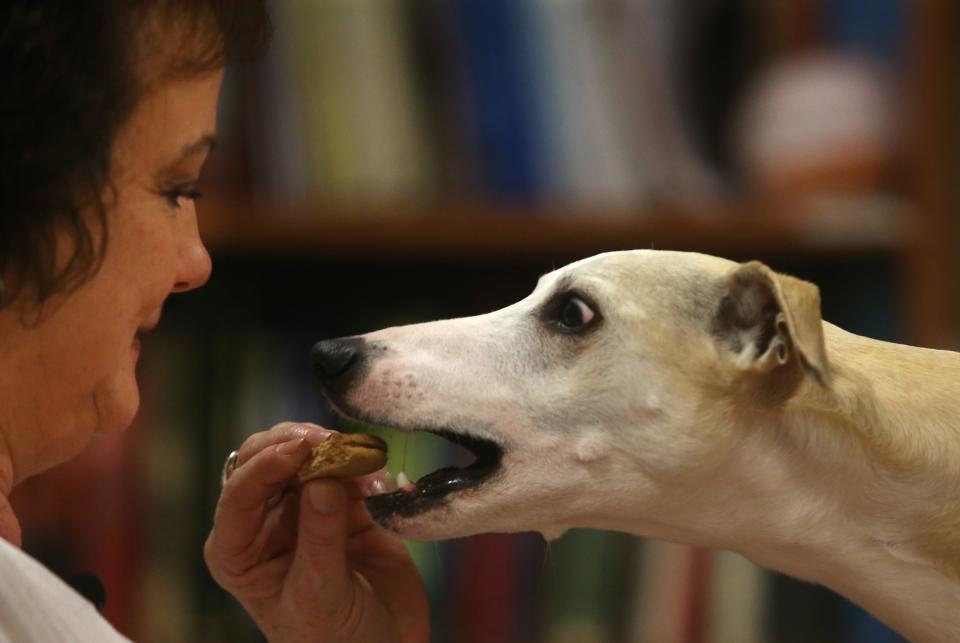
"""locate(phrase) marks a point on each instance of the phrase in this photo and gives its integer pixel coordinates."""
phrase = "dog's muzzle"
(339, 365)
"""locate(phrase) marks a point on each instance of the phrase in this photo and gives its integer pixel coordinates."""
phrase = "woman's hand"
(309, 564)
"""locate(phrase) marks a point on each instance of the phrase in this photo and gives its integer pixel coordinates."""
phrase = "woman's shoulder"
(35, 605)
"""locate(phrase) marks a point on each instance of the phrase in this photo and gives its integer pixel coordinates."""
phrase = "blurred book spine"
(353, 98)
(672, 592)
(736, 600)
(493, 41)
(587, 587)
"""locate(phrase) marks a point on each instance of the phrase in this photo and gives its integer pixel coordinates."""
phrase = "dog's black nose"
(332, 358)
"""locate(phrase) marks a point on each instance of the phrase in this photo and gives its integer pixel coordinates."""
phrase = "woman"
(107, 114)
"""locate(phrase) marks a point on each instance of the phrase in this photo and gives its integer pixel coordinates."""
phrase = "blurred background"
(396, 161)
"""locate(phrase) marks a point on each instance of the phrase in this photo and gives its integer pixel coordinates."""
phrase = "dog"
(688, 398)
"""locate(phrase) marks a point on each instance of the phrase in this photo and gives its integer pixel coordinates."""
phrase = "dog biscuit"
(345, 456)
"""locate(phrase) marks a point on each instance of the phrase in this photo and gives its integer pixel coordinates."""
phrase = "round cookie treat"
(345, 455)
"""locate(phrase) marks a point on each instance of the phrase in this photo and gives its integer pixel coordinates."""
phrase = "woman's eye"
(575, 314)
(190, 193)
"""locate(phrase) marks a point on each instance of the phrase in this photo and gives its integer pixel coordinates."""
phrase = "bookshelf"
(476, 229)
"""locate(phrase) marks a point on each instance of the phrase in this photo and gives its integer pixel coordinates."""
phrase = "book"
(589, 145)
(588, 576)
(675, 170)
(276, 124)
(438, 70)
(670, 604)
(500, 104)
(387, 126)
(736, 601)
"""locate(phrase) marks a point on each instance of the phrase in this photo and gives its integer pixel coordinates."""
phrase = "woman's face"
(72, 375)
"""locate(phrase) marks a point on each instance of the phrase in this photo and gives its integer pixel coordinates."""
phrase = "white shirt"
(38, 607)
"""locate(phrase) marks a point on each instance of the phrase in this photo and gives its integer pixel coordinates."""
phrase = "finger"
(243, 504)
(260, 582)
(357, 491)
(372, 484)
(279, 534)
(283, 432)
(320, 561)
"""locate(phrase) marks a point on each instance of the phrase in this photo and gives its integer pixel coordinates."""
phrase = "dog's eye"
(575, 314)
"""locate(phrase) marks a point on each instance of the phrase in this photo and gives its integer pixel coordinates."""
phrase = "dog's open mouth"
(432, 490)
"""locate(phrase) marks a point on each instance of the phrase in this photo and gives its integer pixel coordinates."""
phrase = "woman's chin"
(117, 402)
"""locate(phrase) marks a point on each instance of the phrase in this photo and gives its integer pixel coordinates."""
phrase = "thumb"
(321, 557)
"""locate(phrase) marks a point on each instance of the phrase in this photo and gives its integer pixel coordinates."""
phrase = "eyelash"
(174, 195)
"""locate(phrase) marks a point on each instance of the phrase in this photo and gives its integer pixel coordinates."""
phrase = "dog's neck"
(806, 518)
(855, 486)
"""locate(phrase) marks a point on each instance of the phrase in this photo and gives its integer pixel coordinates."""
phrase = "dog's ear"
(768, 319)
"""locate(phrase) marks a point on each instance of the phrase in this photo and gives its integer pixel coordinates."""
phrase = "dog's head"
(594, 392)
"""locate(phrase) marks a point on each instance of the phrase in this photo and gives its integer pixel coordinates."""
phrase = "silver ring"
(228, 466)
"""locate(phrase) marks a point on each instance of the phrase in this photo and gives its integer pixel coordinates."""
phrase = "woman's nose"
(194, 261)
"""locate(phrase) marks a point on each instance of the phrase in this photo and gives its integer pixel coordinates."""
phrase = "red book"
(486, 586)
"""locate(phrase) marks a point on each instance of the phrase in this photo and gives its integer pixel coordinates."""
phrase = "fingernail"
(299, 432)
(316, 438)
(325, 497)
(291, 446)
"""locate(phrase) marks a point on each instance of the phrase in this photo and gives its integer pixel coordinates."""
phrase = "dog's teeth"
(390, 482)
(402, 480)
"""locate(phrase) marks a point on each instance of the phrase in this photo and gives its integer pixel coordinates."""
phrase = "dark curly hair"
(71, 74)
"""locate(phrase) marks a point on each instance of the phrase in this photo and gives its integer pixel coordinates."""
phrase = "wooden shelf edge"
(495, 230)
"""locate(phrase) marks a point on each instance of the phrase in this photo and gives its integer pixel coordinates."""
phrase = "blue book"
(493, 39)
(860, 627)
(874, 27)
